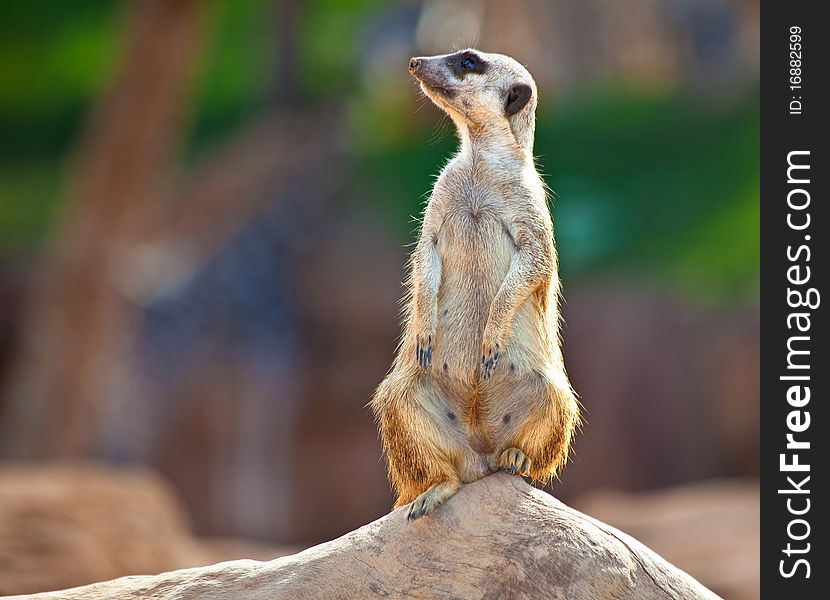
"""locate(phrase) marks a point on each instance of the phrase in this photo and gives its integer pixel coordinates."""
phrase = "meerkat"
(478, 384)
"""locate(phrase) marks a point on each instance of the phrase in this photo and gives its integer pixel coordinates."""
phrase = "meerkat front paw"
(491, 351)
(423, 349)
(514, 462)
(431, 499)
(489, 359)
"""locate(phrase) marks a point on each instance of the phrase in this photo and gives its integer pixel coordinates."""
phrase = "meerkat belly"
(475, 256)
(476, 252)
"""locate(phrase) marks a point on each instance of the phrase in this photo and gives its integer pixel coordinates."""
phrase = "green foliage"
(666, 183)
(328, 52)
(52, 62)
(233, 75)
(29, 200)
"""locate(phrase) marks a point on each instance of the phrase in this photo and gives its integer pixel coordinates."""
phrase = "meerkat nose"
(414, 63)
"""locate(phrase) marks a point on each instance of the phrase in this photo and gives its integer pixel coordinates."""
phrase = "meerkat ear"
(518, 96)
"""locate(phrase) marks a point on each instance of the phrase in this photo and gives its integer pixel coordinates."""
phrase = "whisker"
(440, 131)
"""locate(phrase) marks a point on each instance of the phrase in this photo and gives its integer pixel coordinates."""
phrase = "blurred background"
(205, 207)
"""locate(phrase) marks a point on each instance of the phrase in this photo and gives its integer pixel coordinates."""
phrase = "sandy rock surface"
(66, 524)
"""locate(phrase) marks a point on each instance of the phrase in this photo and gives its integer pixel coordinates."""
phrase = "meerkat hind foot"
(514, 462)
(432, 499)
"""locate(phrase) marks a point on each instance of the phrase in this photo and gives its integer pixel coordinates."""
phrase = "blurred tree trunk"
(78, 322)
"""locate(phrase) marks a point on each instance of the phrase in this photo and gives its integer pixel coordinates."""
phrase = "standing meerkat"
(479, 384)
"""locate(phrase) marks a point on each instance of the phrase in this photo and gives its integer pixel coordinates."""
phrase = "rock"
(69, 524)
(497, 538)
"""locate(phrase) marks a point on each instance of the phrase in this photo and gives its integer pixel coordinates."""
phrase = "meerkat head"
(483, 93)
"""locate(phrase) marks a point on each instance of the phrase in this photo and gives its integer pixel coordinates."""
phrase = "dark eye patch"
(466, 62)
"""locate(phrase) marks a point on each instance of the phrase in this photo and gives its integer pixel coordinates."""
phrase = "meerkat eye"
(469, 63)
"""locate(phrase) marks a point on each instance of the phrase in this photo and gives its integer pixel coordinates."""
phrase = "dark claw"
(424, 353)
(415, 512)
(488, 365)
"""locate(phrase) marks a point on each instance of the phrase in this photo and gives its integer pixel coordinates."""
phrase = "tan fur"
(478, 383)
